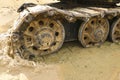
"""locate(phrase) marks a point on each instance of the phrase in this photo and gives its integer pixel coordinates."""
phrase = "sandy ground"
(72, 62)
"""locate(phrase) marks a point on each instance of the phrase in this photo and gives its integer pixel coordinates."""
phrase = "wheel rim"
(93, 32)
(116, 31)
(43, 36)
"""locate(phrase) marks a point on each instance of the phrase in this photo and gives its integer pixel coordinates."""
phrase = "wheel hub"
(99, 34)
(45, 37)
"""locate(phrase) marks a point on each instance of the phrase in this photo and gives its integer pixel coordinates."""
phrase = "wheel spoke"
(103, 26)
(88, 36)
(92, 24)
(88, 39)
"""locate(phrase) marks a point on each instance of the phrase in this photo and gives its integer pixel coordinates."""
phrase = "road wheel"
(93, 32)
(114, 34)
(42, 36)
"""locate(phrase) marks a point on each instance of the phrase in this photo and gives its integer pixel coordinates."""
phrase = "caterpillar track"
(42, 29)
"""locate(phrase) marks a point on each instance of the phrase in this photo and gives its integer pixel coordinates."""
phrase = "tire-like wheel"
(114, 34)
(42, 36)
(93, 32)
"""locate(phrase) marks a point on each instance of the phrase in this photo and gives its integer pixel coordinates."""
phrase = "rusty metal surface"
(35, 13)
(93, 32)
(77, 12)
(43, 36)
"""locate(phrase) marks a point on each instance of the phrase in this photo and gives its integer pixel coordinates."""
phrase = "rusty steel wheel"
(93, 32)
(43, 36)
(115, 31)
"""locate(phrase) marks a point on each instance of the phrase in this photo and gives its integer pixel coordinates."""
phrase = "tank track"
(42, 29)
(105, 3)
